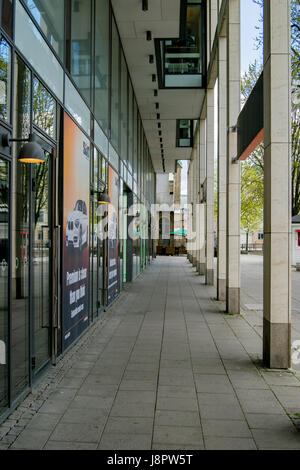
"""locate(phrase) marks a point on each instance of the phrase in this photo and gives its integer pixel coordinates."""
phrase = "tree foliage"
(256, 159)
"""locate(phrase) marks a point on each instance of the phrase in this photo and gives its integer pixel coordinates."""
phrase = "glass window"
(4, 257)
(22, 99)
(135, 139)
(102, 62)
(130, 127)
(37, 52)
(44, 109)
(5, 80)
(124, 108)
(7, 16)
(81, 46)
(77, 106)
(96, 169)
(115, 87)
(50, 16)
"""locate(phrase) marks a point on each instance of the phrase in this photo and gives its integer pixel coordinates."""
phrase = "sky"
(250, 15)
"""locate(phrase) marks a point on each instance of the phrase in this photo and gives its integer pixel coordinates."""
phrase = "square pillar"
(277, 193)
(202, 175)
(233, 170)
(210, 150)
(222, 168)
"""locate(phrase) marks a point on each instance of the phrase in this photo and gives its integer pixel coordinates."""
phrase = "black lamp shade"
(31, 152)
(104, 198)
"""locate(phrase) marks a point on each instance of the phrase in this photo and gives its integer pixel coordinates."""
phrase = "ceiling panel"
(162, 19)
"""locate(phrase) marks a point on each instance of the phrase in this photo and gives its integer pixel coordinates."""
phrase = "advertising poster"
(113, 245)
(75, 232)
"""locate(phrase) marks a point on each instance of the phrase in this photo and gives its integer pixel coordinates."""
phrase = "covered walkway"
(163, 369)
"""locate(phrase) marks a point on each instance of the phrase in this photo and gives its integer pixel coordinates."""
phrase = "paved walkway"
(164, 369)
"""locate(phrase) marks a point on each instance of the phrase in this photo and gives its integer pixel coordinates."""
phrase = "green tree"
(250, 78)
(252, 189)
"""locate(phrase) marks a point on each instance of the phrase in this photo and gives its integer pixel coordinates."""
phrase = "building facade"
(67, 81)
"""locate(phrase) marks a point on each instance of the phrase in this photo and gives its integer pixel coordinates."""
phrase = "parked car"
(77, 226)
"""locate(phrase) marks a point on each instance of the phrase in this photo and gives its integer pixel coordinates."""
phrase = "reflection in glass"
(5, 79)
(124, 109)
(102, 62)
(20, 237)
(41, 263)
(7, 16)
(22, 98)
(115, 87)
(50, 17)
(4, 286)
(20, 280)
(81, 46)
(44, 109)
(130, 127)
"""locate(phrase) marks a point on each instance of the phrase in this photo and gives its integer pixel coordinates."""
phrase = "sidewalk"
(163, 369)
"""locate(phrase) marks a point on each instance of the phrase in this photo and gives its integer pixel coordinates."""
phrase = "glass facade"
(81, 46)
(183, 58)
(74, 72)
(50, 18)
(5, 80)
(4, 281)
(102, 63)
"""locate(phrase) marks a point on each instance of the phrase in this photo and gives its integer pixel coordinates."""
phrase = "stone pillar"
(213, 13)
(198, 214)
(233, 170)
(277, 194)
(194, 208)
(209, 274)
(202, 222)
(222, 168)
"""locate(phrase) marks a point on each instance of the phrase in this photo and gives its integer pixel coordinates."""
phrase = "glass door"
(4, 279)
(41, 263)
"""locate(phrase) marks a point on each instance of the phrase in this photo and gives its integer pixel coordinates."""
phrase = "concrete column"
(189, 202)
(194, 183)
(198, 214)
(209, 275)
(202, 175)
(277, 194)
(233, 170)
(222, 169)
(213, 13)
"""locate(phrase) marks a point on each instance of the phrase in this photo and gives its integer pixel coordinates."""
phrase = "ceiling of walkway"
(162, 19)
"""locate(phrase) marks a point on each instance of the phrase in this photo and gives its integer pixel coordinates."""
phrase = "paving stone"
(177, 418)
(212, 383)
(125, 442)
(77, 432)
(277, 439)
(63, 445)
(44, 421)
(229, 443)
(268, 421)
(31, 439)
(145, 410)
(177, 435)
(227, 428)
(177, 404)
(122, 425)
(221, 411)
(85, 415)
